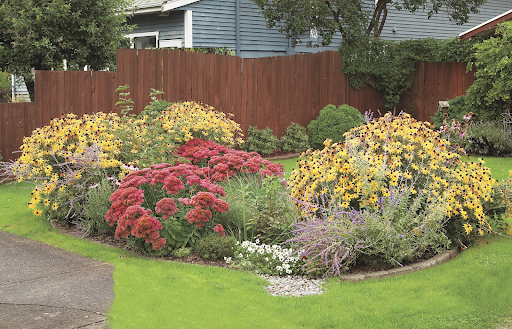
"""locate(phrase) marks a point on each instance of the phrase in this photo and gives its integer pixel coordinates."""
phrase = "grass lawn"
(472, 291)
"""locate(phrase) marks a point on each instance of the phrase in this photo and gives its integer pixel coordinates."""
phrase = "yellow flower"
(37, 212)
(468, 228)
(55, 206)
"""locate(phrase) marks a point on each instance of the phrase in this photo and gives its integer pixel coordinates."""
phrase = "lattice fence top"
(507, 121)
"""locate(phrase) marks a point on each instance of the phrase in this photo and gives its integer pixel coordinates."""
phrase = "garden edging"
(436, 260)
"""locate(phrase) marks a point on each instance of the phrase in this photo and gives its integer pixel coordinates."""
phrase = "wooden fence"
(263, 92)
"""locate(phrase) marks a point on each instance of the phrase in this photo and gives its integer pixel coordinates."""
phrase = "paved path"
(42, 286)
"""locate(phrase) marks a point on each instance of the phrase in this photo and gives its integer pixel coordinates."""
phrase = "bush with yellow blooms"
(393, 152)
(190, 119)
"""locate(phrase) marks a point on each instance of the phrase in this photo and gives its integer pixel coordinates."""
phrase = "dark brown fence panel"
(16, 122)
(104, 96)
(435, 82)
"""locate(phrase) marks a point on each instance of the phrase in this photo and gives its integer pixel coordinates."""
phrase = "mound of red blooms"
(221, 162)
(133, 211)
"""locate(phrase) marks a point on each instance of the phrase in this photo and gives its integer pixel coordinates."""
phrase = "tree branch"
(335, 15)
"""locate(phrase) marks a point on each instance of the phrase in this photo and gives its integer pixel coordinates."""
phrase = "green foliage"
(5, 87)
(144, 140)
(97, 204)
(332, 123)
(456, 110)
(488, 138)
(262, 141)
(491, 91)
(215, 246)
(295, 139)
(352, 19)
(390, 66)
(156, 105)
(181, 252)
(43, 33)
(217, 51)
(258, 208)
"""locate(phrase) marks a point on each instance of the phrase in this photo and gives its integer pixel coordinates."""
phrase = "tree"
(41, 34)
(352, 18)
(387, 65)
(491, 90)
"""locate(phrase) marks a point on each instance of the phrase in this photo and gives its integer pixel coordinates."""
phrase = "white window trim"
(172, 43)
(188, 29)
(143, 34)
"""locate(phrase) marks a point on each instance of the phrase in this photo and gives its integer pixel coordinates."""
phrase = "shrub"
(215, 246)
(64, 159)
(161, 189)
(261, 141)
(295, 139)
(64, 137)
(72, 153)
(143, 139)
(388, 152)
(489, 139)
(63, 196)
(189, 119)
(184, 197)
(225, 162)
(406, 225)
(332, 123)
(266, 259)
(491, 90)
(97, 204)
(156, 105)
(260, 207)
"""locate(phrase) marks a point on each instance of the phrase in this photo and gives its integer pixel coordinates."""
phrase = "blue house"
(238, 25)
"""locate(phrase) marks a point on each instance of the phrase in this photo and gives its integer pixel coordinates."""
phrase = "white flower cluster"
(267, 259)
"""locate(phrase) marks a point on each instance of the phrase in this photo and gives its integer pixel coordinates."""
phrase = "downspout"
(290, 50)
(237, 27)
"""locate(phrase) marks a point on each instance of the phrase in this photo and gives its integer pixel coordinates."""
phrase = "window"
(144, 40)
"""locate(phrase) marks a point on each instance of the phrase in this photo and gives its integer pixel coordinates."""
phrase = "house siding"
(170, 27)
(214, 25)
(418, 26)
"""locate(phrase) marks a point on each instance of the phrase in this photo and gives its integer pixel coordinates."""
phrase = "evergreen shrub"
(261, 141)
(295, 139)
(332, 123)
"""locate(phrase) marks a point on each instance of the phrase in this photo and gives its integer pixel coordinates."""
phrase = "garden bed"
(358, 272)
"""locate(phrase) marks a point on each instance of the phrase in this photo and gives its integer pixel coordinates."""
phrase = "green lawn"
(472, 291)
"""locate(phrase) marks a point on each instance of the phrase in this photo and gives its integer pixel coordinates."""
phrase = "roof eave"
(486, 25)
